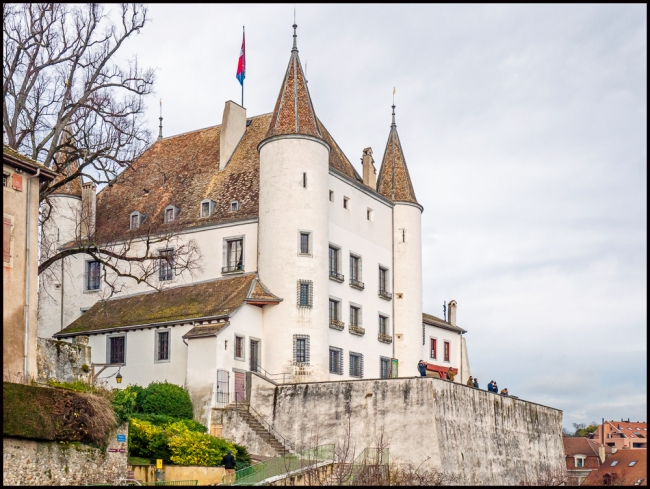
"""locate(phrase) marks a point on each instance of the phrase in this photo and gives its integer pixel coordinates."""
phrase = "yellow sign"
(159, 463)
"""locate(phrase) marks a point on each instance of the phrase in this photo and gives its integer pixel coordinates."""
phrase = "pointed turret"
(294, 111)
(394, 181)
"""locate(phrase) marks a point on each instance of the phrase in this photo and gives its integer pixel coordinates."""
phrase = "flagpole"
(242, 80)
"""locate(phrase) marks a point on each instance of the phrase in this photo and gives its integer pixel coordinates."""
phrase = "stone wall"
(235, 429)
(43, 463)
(478, 436)
(63, 361)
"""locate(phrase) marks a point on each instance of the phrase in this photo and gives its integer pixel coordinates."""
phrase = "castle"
(310, 271)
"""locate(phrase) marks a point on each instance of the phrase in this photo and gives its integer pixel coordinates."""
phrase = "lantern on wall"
(118, 378)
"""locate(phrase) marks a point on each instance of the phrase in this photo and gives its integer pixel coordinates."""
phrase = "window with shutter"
(17, 182)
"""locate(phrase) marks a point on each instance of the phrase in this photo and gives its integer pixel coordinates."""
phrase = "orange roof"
(294, 111)
(617, 468)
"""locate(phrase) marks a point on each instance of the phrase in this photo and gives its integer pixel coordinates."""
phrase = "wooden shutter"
(17, 182)
(6, 240)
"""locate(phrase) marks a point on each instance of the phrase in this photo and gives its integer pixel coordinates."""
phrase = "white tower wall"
(286, 207)
(407, 236)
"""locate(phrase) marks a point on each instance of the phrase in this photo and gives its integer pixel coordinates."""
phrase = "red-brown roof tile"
(394, 181)
(620, 473)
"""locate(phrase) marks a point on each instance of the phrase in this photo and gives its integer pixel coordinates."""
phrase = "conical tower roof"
(294, 111)
(66, 168)
(394, 181)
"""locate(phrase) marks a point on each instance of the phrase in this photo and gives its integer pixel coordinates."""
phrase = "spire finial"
(295, 36)
(160, 136)
(393, 106)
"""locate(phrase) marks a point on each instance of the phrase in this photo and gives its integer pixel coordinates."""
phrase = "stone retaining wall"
(63, 361)
(43, 463)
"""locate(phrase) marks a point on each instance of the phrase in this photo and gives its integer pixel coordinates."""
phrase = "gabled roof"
(211, 299)
(259, 295)
(440, 323)
(294, 111)
(16, 159)
(206, 331)
(620, 472)
(394, 181)
(578, 445)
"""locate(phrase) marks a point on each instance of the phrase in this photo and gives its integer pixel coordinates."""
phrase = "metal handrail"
(268, 375)
(271, 431)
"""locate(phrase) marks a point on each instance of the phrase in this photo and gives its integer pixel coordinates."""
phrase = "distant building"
(583, 457)
(623, 468)
(622, 434)
(20, 187)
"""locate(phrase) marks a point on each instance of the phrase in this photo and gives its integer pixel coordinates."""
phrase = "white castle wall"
(408, 282)
(285, 208)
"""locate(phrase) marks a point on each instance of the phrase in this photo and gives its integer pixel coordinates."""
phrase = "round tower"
(293, 233)
(395, 183)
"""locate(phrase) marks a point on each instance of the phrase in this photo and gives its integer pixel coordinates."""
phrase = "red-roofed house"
(623, 468)
(582, 457)
(623, 434)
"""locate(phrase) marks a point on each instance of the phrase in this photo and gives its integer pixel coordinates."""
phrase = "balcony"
(357, 330)
(238, 268)
(385, 295)
(336, 324)
(356, 284)
(385, 338)
(336, 276)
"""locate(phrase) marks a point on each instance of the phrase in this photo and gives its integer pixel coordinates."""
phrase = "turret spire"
(160, 136)
(295, 36)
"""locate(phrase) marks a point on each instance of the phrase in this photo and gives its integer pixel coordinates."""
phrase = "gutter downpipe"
(27, 256)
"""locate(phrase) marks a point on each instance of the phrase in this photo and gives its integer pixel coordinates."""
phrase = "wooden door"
(240, 386)
(255, 355)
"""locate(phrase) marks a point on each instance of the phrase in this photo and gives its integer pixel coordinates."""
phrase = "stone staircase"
(259, 429)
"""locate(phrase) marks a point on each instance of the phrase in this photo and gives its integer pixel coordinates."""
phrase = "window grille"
(166, 265)
(384, 367)
(356, 365)
(93, 273)
(304, 243)
(336, 360)
(116, 349)
(305, 293)
(301, 349)
(163, 345)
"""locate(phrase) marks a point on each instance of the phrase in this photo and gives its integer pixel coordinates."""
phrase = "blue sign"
(121, 437)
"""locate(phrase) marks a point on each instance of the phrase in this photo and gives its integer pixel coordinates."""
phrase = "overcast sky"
(524, 130)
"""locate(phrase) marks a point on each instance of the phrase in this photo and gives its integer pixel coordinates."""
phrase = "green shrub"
(148, 441)
(168, 399)
(165, 421)
(243, 458)
(124, 402)
(192, 448)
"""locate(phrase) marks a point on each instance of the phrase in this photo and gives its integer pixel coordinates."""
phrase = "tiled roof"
(621, 472)
(338, 160)
(213, 298)
(393, 169)
(574, 445)
(204, 331)
(259, 294)
(294, 111)
(441, 323)
(13, 156)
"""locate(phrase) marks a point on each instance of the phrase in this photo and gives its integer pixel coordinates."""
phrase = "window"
(335, 310)
(304, 243)
(92, 275)
(207, 207)
(632, 463)
(162, 346)
(383, 325)
(234, 249)
(614, 463)
(234, 206)
(166, 265)
(116, 349)
(383, 284)
(355, 272)
(580, 462)
(356, 365)
(304, 180)
(5, 181)
(6, 240)
(369, 214)
(433, 348)
(334, 264)
(355, 316)
(336, 360)
(169, 214)
(446, 351)
(345, 202)
(384, 367)
(136, 220)
(331, 196)
(305, 293)
(239, 347)
(301, 349)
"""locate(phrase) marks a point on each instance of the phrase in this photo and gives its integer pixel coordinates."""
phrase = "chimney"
(88, 208)
(452, 312)
(233, 126)
(369, 171)
(601, 453)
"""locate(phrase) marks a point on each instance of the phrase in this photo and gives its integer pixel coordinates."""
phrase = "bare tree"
(71, 107)
(547, 477)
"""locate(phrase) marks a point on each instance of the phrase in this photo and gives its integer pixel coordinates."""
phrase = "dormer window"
(234, 206)
(135, 220)
(207, 207)
(171, 213)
